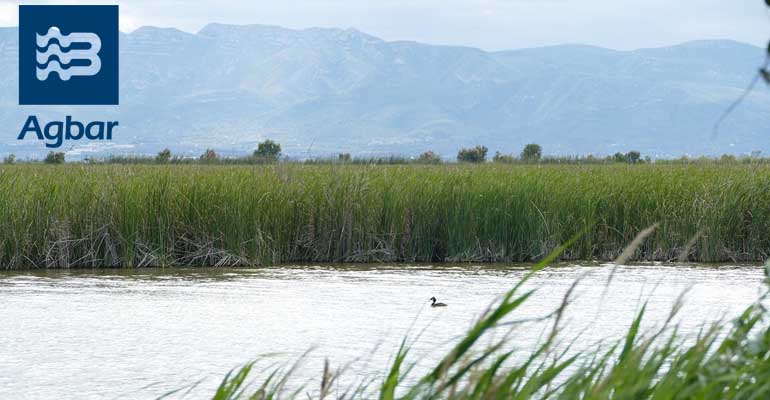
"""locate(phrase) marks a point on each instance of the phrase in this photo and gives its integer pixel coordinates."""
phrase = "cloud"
(9, 15)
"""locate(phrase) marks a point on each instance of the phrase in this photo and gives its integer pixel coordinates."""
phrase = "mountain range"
(325, 91)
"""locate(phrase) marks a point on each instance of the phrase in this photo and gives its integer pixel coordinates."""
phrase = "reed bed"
(217, 215)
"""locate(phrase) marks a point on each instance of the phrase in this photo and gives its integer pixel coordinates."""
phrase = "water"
(138, 335)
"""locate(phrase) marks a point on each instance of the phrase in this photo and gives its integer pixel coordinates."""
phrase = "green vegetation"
(164, 156)
(429, 157)
(532, 153)
(209, 157)
(268, 151)
(477, 154)
(633, 157)
(731, 363)
(346, 158)
(54, 158)
(504, 158)
(205, 215)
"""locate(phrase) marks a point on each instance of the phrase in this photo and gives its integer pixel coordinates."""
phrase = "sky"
(486, 24)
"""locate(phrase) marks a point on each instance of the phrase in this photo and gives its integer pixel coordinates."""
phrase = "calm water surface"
(110, 335)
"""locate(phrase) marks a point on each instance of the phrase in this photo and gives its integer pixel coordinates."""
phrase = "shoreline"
(373, 266)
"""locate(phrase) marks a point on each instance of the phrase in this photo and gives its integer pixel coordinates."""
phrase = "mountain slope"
(321, 91)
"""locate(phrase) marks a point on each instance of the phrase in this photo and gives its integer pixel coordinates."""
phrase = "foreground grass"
(732, 363)
(197, 215)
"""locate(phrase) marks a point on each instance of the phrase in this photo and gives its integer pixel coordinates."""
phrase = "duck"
(434, 304)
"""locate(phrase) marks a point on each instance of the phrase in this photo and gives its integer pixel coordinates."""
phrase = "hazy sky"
(489, 24)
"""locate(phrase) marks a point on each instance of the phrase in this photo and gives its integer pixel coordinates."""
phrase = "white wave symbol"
(65, 57)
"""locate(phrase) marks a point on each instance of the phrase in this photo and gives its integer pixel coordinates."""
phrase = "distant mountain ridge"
(321, 91)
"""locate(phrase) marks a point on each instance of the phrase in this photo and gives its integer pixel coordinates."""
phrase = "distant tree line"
(269, 151)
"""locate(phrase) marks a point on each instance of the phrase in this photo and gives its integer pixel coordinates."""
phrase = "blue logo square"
(68, 55)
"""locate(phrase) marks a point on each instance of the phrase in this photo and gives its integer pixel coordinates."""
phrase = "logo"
(68, 55)
(48, 61)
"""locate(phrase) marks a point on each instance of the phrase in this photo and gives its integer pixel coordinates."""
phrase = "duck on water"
(434, 304)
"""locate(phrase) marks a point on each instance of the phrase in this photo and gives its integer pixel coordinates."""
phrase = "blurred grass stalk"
(216, 215)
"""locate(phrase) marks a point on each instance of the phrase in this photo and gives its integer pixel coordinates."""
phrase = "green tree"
(619, 158)
(477, 154)
(209, 156)
(429, 157)
(268, 150)
(54, 158)
(10, 159)
(163, 157)
(532, 152)
(633, 157)
(503, 158)
(344, 157)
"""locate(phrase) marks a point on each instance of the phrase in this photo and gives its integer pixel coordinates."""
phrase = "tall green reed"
(199, 215)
